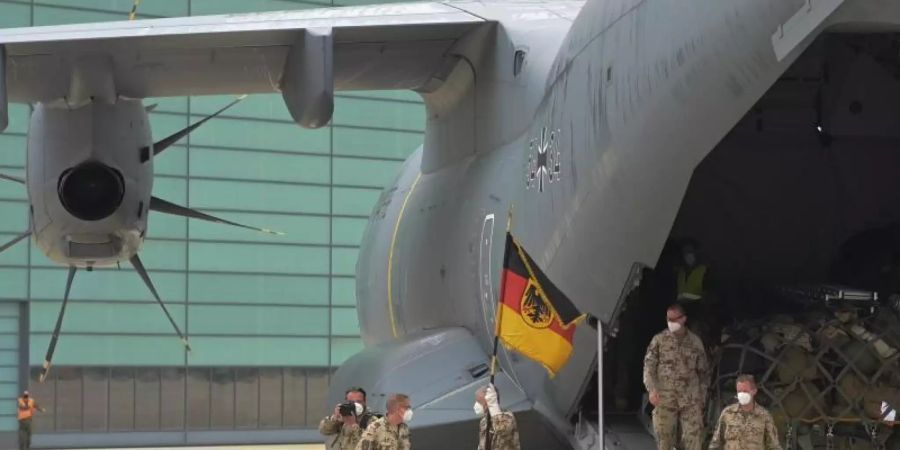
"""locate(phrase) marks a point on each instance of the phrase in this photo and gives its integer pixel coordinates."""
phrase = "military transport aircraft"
(588, 116)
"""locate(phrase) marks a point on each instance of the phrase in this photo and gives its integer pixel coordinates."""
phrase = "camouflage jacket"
(504, 432)
(346, 437)
(677, 368)
(381, 435)
(745, 430)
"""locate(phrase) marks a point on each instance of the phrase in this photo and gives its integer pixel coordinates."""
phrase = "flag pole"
(487, 434)
(500, 305)
(601, 435)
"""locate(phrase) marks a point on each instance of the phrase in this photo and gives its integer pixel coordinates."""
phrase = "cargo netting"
(829, 377)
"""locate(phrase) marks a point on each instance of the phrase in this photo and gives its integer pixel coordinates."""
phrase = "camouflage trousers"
(666, 421)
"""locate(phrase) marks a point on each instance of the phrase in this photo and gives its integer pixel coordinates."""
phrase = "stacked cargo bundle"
(830, 375)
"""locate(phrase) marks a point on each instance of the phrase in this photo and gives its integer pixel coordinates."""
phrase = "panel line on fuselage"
(391, 256)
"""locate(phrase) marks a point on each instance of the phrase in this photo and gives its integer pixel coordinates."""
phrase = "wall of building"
(268, 317)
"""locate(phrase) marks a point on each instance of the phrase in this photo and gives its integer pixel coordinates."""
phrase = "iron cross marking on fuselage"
(543, 159)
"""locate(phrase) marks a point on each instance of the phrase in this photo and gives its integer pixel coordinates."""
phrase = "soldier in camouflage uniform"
(389, 432)
(347, 429)
(504, 434)
(676, 375)
(745, 425)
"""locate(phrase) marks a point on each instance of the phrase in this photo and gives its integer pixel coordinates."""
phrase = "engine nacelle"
(88, 189)
(91, 191)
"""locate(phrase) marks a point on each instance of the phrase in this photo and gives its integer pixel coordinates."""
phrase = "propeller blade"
(62, 312)
(160, 205)
(139, 267)
(14, 241)
(167, 142)
(12, 178)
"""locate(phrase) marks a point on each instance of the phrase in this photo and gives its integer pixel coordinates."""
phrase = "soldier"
(676, 375)
(389, 432)
(505, 435)
(347, 427)
(649, 299)
(745, 425)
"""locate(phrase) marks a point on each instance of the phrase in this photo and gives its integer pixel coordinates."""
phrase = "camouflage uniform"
(505, 435)
(745, 430)
(345, 437)
(381, 435)
(677, 369)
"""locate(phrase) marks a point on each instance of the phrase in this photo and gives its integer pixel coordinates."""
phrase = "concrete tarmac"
(236, 447)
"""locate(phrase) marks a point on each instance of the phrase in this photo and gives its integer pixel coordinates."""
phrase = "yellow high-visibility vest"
(691, 285)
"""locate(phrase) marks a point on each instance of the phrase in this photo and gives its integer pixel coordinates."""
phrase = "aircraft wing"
(303, 54)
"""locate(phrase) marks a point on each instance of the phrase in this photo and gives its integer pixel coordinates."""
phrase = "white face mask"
(674, 326)
(359, 409)
(744, 398)
(407, 416)
(479, 410)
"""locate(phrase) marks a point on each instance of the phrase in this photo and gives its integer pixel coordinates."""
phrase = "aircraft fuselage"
(591, 150)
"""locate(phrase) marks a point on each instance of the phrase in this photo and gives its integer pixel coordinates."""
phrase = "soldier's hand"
(654, 398)
(349, 421)
(493, 402)
(337, 413)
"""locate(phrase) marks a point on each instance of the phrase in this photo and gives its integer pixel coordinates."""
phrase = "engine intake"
(91, 191)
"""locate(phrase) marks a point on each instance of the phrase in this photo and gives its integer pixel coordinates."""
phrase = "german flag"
(535, 318)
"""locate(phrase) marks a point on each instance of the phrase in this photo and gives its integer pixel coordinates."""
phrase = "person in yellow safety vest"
(26, 408)
(690, 276)
(692, 283)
